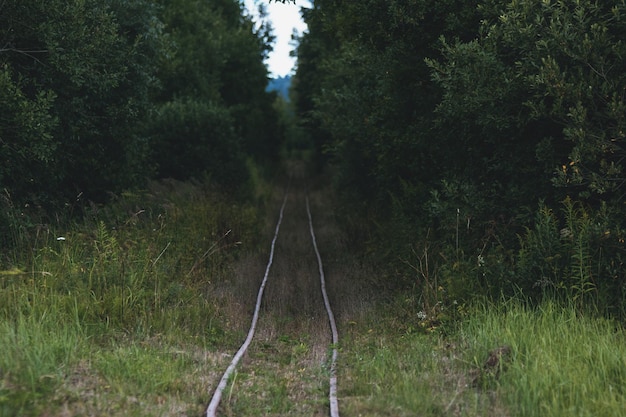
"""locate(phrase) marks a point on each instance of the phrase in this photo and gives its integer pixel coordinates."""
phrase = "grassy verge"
(562, 362)
(556, 363)
(135, 311)
(121, 313)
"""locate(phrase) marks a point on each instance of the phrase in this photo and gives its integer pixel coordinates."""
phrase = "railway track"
(213, 408)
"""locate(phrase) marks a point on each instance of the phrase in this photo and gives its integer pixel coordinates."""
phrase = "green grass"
(120, 315)
(386, 372)
(278, 376)
(130, 315)
(562, 363)
(37, 349)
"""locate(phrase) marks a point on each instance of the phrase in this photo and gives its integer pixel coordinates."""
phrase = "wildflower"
(421, 315)
(481, 261)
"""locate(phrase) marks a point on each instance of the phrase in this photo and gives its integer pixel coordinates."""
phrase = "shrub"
(195, 138)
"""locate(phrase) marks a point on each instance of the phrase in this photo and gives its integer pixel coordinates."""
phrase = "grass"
(36, 352)
(562, 363)
(278, 377)
(119, 313)
(137, 310)
(387, 372)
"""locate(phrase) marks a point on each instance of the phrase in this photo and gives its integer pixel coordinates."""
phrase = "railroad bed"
(288, 361)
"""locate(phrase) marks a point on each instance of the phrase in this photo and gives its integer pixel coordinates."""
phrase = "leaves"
(82, 82)
(489, 108)
(96, 98)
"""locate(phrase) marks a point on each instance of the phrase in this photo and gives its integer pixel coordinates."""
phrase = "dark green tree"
(94, 68)
(440, 115)
(543, 82)
(369, 89)
(214, 108)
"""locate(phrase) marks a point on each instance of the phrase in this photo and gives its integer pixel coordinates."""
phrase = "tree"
(443, 113)
(94, 70)
(213, 108)
(362, 75)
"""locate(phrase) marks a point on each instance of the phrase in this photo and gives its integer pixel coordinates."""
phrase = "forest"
(486, 138)
(96, 96)
(465, 163)
(489, 135)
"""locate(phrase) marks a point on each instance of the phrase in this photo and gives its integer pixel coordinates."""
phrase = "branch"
(27, 52)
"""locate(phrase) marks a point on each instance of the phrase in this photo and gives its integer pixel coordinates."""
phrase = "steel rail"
(217, 395)
(332, 396)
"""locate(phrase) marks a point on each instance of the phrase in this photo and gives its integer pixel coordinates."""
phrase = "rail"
(211, 410)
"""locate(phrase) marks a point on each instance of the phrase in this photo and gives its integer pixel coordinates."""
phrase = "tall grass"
(389, 371)
(38, 348)
(110, 297)
(562, 363)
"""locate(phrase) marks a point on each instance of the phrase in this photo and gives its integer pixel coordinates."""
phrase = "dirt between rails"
(285, 371)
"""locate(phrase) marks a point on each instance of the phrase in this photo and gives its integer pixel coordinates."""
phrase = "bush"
(195, 138)
(578, 256)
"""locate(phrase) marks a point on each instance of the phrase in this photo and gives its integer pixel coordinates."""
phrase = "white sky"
(285, 17)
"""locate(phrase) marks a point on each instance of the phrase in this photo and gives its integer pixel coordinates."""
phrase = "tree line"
(97, 97)
(488, 137)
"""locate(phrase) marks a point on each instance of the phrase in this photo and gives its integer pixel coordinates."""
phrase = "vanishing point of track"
(334, 406)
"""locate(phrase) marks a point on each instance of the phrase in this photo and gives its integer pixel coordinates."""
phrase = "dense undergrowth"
(482, 141)
(546, 300)
(121, 313)
(113, 312)
(571, 253)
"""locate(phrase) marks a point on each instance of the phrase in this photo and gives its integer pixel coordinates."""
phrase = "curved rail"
(334, 404)
(217, 396)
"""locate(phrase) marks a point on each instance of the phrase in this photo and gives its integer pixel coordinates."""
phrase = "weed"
(575, 256)
(92, 297)
(503, 359)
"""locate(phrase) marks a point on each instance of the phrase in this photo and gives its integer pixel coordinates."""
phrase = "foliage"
(96, 91)
(122, 298)
(194, 135)
(456, 121)
(27, 144)
(569, 56)
(578, 255)
(552, 112)
(216, 67)
(98, 97)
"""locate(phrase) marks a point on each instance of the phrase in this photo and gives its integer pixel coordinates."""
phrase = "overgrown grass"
(128, 315)
(562, 363)
(118, 312)
(388, 372)
(37, 349)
